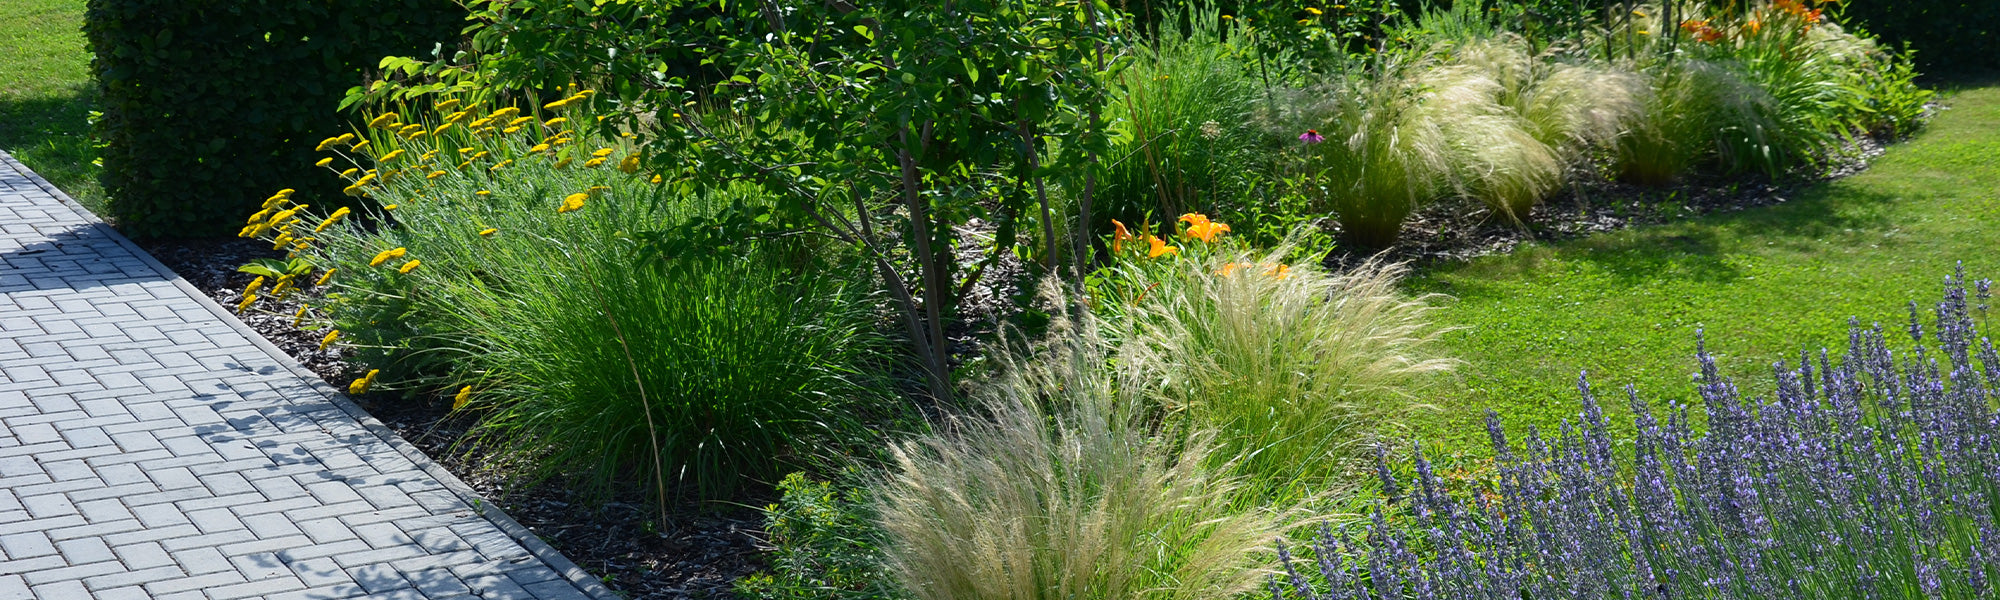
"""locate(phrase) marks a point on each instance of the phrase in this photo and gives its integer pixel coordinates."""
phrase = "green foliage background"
(209, 106)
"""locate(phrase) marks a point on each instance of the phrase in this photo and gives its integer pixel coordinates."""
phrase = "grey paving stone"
(153, 447)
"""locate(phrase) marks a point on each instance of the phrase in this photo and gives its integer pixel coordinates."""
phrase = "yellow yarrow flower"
(657, 179)
(478, 123)
(480, 155)
(518, 121)
(385, 121)
(358, 147)
(630, 164)
(324, 162)
(245, 304)
(326, 277)
(329, 339)
(483, 193)
(555, 121)
(573, 202)
(538, 147)
(392, 155)
(499, 165)
(390, 206)
(557, 105)
(409, 266)
(602, 152)
(434, 175)
(360, 386)
(597, 188)
(448, 104)
(440, 130)
(331, 219)
(593, 162)
(386, 255)
(255, 284)
(350, 172)
(259, 217)
(299, 316)
(488, 232)
(457, 116)
(464, 395)
(504, 112)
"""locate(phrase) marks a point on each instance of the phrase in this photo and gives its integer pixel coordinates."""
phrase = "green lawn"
(45, 94)
(1763, 283)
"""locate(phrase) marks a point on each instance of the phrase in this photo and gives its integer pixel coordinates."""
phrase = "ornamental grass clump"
(1062, 490)
(535, 313)
(1180, 122)
(1874, 476)
(1291, 364)
(1372, 149)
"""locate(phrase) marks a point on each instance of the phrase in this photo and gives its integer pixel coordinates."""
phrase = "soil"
(697, 552)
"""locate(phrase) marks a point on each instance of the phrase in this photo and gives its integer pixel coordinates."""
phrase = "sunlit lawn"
(46, 94)
(1763, 283)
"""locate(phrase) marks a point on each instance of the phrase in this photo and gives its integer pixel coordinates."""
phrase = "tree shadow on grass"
(51, 134)
(1700, 249)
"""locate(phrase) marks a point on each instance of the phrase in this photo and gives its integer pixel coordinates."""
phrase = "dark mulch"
(697, 552)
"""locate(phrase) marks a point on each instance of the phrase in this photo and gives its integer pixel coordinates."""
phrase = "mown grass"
(1763, 283)
(46, 94)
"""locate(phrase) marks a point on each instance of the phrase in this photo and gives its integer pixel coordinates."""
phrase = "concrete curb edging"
(583, 581)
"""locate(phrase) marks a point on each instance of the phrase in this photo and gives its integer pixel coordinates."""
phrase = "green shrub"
(1948, 35)
(502, 262)
(1061, 491)
(1292, 365)
(208, 105)
(825, 544)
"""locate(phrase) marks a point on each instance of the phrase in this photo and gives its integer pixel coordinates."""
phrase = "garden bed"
(702, 550)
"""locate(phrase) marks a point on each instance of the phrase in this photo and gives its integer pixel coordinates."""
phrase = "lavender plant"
(1875, 476)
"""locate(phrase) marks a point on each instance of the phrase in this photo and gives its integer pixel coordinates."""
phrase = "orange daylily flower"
(1159, 248)
(1199, 227)
(1119, 236)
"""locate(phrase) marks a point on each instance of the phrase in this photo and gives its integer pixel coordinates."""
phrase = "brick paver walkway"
(151, 446)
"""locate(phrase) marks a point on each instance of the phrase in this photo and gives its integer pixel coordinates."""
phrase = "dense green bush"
(502, 267)
(1948, 35)
(825, 545)
(208, 105)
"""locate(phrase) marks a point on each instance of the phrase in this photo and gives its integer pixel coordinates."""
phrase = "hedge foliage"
(1948, 35)
(209, 105)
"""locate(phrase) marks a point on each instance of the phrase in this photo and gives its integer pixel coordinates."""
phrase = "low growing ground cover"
(1765, 283)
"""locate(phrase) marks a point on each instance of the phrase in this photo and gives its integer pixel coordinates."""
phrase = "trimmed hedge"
(1948, 35)
(210, 106)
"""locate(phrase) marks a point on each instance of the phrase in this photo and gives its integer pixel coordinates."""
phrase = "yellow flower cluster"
(360, 386)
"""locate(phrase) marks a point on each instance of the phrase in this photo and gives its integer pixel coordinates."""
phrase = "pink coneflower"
(1311, 136)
